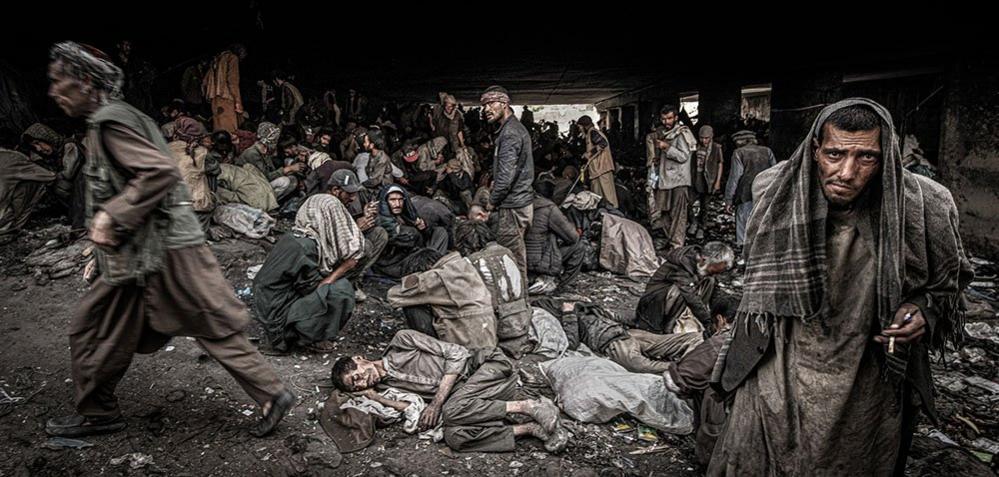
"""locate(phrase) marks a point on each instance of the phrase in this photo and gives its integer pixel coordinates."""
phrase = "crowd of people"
(480, 218)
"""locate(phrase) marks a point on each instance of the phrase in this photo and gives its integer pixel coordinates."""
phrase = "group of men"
(854, 268)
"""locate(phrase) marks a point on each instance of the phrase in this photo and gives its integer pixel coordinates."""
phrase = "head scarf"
(786, 274)
(188, 129)
(268, 134)
(84, 61)
(41, 132)
(323, 218)
(491, 96)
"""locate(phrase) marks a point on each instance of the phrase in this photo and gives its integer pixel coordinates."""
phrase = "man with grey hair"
(682, 288)
(156, 277)
(748, 160)
(513, 175)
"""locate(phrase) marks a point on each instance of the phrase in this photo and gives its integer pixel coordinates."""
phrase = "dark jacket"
(675, 286)
(550, 230)
(587, 324)
(513, 167)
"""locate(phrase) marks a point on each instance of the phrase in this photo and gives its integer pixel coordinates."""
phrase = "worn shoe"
(359, 295)
(280, 406)
(545, 413)
(700, 234)
(76, 425)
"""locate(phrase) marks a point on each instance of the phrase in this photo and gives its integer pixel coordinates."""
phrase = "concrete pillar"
(720, 106)
(628, 126)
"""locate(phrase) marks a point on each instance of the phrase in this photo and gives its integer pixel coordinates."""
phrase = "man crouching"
(472, 390)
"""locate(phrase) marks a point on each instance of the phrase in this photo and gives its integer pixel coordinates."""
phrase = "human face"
(847, 162)
(70, 94)
(705, 141)
(344, 196)
(494, 110)
(396, 201)
(363, 377)
(449, 107)
(41, 147)
(668, 119)
(325, 139)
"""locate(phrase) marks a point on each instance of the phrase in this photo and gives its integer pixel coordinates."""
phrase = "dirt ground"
(186, 416)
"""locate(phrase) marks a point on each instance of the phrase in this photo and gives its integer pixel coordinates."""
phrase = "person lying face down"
(471, 392)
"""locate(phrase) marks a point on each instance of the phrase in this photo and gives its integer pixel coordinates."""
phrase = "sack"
(596, 390)
(244, 220)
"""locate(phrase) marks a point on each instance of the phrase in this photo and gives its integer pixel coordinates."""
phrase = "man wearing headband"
(157, 278)
(513, 175)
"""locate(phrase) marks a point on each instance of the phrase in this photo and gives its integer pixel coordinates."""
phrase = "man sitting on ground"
(684, 282)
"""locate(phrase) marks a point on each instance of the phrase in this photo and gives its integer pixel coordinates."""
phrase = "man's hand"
(402, 180)
(371, 209)
(420, 224)
(568, 306)
(102, 230)
(90, 271)
(430, 416)
(902, 331)
(664, 145)
(293, 168)
(365, 223)
(369, 393)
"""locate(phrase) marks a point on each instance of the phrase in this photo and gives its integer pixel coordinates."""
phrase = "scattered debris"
(60, 443)
(136, 460)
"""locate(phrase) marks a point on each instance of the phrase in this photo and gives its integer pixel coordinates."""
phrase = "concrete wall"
(969, 152)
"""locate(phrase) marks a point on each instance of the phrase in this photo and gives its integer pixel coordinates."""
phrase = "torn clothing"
(501, 276)
(461, 301)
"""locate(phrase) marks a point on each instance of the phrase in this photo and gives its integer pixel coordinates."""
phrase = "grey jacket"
(513, 167)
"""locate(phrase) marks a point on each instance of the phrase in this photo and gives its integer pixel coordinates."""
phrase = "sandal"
(280, 406)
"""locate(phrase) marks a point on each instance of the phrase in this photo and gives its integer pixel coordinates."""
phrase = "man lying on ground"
(472, 392)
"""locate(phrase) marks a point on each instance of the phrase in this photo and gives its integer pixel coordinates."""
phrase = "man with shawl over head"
(853, 274)
(302, 293)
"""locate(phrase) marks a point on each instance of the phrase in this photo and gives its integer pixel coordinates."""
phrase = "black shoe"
(76, 425)
(280, 406)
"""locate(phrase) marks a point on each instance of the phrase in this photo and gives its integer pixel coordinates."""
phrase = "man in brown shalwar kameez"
(854, 269)
(158, 279)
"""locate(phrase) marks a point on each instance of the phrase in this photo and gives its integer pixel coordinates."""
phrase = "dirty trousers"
(646, 352)
(115, 322)
(603, 186)
(510, 230)
(673, 204)
(474, 414)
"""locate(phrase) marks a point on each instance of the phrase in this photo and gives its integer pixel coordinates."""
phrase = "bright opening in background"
(561, 114)
(688, 103)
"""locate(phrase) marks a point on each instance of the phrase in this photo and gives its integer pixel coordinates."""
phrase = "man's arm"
(688, 291)
(432, 414)
(454, 355)
(340, 271)
(678, 150)
(505, 168)
(733, 178)
(154, 174)
(563, 228)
